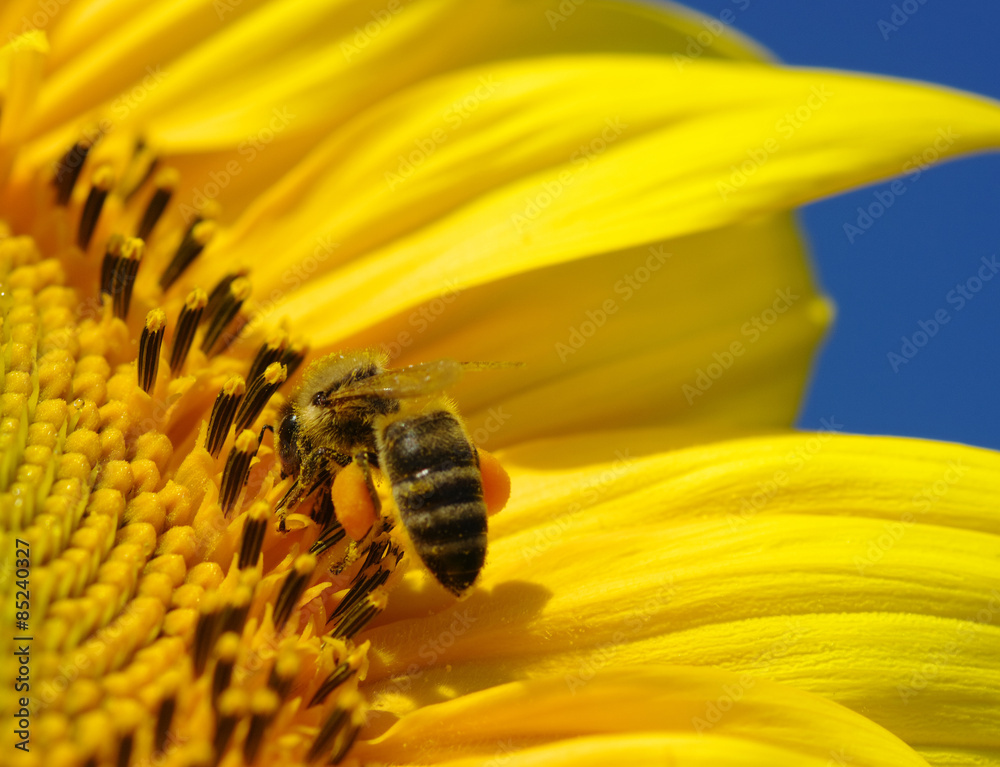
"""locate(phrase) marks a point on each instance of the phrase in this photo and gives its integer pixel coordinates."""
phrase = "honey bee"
(351, 408)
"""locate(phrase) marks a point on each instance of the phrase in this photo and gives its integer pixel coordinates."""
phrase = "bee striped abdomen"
(439, 492)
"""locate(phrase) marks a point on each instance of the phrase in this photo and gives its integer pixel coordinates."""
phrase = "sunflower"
(212, 194)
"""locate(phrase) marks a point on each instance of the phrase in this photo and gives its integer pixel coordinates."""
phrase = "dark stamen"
(236, 470)
(286, 668)
(139, 169)
(112, 253)
(223, 411)
(205, 632)
(222, 311)
(335, 736)
(322, 510)
(271, 351)
(264, 705)
(234, 615)
(101, 183)
(193, 243)
(260, 391)
(338, 676)
(231, 707)
(359, 590)
(221, 290)
(358, 616)
(292, 588)
(163, 720)
(226, 651)
(68, 170)
(253, 534)
(332, 534)
(149, 348)
(187, 324)
(125, 750)
(166, 181)
(118, 273)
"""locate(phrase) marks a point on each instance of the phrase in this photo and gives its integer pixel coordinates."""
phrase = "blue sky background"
(900, 271)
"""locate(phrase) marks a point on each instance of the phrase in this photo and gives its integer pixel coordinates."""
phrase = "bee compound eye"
(288, 433)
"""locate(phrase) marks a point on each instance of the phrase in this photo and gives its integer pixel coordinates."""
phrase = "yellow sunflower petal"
(526, 179)
(860, 568)
(630, 337)
(701, 716)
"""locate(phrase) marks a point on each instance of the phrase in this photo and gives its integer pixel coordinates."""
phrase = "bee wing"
(415, 381)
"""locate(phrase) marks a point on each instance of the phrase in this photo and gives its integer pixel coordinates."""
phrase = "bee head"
(288, 437)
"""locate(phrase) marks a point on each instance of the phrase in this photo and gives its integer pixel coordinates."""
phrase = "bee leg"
(315, 472)
(361, 459)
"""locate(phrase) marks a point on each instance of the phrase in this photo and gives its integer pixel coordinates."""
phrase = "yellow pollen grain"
(228, 647)
(240, 289)
(82, 695)
(140, 535)
(203, 232)
(156, 319)
(170, 565)
(103, 178)
(197, 298)
(107, 502)
(91, 386)
(156, 447)
(43, 434)
(116, 475)
(146, 475)
(52, 412)
(146, 507)
(264, 702)
(208, 575)
(176, 500)
(275, 373)
(181, 623)
(113, 446)
(85, 443)
(167, 178)
(234, 702)
(125, 575)
(133, 248)
(288, 664)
